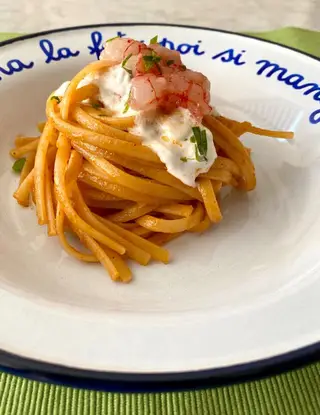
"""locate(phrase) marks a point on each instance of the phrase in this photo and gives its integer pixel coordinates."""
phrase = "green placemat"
(293, 393)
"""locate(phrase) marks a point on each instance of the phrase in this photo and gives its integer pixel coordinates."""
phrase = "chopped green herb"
(56, 99)
(201, 144)
(148, 58)
(204, 142)
(198, 157)
(184, 159)
(196, 131)
(124, 62)
(112, 38)
(18, 165)
(151, 60)
(128, 70)
(170, 62)
(154, 40)
(183, 67)
(96, 105)
(147, 64)
(127, 106)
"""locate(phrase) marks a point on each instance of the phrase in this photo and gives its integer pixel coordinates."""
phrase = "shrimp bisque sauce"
(167, 99)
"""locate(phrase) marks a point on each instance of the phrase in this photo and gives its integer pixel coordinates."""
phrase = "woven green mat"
(293, 393)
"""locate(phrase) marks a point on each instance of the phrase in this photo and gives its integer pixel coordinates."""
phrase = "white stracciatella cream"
(114, 90)
(171, 137)
(61, 90)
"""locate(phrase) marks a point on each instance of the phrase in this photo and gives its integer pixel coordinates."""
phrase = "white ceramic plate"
(246, 291)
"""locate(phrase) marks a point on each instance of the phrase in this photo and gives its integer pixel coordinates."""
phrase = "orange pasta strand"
(92, 178)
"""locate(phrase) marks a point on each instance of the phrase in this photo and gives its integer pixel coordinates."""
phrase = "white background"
(28, 16)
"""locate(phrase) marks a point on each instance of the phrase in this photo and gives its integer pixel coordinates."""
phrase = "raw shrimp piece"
(197, 78)
(132, 63)
(197, 104)
(147, 92)
(118, 49)
(188, 89)
(167, 55)
(165, 83)
(166, 71)
(137, 65)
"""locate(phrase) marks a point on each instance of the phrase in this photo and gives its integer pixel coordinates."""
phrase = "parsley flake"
(96, 105)
(184, 159)
(112, 38)
(170, 62)
(18, 165)
(151, 60)
(127, 106)
(154, 40)
(124, 62)
(54, 97)
(199, 138)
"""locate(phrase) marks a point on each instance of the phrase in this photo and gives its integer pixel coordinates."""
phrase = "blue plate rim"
(100, 25)
(155, 382)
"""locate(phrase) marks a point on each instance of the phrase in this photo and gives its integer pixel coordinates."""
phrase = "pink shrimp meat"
(163, 84)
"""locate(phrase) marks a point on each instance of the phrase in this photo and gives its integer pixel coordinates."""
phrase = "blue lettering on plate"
(15, 65)
(230, 55)
(120, 34)
(183, 48)
(96, 46)
(166, 43)
(62, 53)
(315, 117)
(295, 80)
(196, 50)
